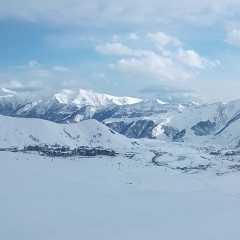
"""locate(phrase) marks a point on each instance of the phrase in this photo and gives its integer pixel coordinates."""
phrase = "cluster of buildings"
(65, 151)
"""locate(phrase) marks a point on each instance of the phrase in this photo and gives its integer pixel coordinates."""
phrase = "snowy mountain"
(218, 122)
(19, 132)
(132, 117)
(65, 106)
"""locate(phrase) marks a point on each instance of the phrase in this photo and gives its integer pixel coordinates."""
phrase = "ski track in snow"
(91, 198)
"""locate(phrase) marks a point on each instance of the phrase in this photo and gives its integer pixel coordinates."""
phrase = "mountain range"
(132, 117)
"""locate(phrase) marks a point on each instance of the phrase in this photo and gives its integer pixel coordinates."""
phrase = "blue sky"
(175, 51)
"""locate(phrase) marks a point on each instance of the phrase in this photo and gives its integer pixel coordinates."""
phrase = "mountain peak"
(83, 97)
(154, 101)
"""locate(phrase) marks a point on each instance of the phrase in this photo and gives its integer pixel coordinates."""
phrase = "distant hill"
(22, 131)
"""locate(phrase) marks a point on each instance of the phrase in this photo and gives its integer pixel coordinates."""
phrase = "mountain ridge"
(132, 117)
(68, 105)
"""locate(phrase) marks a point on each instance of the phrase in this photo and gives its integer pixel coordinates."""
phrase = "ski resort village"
(63, 151)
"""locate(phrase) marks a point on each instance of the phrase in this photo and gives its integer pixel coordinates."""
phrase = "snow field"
(91, 198)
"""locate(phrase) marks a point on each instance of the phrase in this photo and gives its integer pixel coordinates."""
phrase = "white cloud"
(171, 63)
(161, 39)
(38, 73)
(60, 69)
(14, 84)
(153, 66)
(120, 49)
(76, 82)
(168, 92)
(33, 64)
(23, 84)
(115, 38)
(192, 59)
(30, 65)
(233, 37)
(114, 49)
(70, 83)
(69, 40)
(75, 12)
(72, 23)
(99, 76)
(25, 76)
(34, 70)
(133, 36)
(36, 84)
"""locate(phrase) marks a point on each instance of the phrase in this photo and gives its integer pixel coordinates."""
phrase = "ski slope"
(23, 131)
(100, 199)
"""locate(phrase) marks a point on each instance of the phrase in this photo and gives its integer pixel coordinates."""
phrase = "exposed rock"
(178, 136)
(204, 128)
(138, 129)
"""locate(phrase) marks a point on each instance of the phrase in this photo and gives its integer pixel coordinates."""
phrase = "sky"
(176, 51)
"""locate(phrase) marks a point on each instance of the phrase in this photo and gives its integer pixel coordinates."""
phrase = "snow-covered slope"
(134, 118)
(119, 198)
(19, 132)
(83, 98)
(218, 122)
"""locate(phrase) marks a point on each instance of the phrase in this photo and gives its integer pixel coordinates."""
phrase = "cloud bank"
(82, 12)
(167, 60)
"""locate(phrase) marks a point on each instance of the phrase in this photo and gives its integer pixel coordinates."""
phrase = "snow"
(158, 130)
(91, 198)
(188, 193)
(44, 104)
(5, 91)
(75, 105)
(22, 131)
(83, 98)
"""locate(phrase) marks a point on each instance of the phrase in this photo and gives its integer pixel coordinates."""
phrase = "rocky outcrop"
(204, 128)
(134, 129)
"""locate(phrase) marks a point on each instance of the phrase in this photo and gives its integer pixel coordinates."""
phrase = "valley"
(180, 173)
(122, 197)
